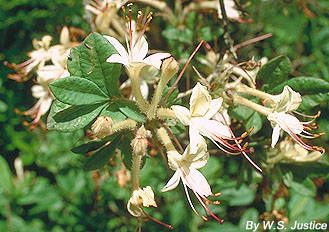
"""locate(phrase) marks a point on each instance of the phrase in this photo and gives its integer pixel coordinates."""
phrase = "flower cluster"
(48, 63)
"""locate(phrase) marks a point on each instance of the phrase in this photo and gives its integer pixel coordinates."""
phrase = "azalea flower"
(38, 58)
(295, 128)
(185, 167)
(43, 53)
(107, 20)
(137, 49)
(136, 56)
(282, 118)
(41, 91)
(141, 197)
(199, 119)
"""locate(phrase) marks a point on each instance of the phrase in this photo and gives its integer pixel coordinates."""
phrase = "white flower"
(288, 101)
(294, 127)
(137, 49)
(141, 197)
(282, 118)
(198, 118)
(185, 167)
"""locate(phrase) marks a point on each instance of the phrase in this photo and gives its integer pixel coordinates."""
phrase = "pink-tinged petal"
(118, 47)
(197, 182)
(45, 105)
(275, 135)
(182, 113)
(214, 107)
(195, 138)
(116, 58)
(172, 183)
(156, 59)
(199, 101)
(287, 122)
(49, 73)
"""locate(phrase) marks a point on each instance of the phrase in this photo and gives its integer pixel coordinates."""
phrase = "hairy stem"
(165, 139)
(135, 171)
(135, 86)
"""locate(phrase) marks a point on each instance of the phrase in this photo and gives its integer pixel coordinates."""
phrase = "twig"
(251, 41)
(227, 36)
(172, 88)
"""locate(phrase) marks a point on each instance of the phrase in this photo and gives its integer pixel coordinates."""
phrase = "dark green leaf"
(304, 85)
(87, 147)
(77, 91)
(64, 117)
(102, 156)
(274, 72)
(89, 61)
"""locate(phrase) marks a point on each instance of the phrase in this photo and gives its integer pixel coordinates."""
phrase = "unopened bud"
(102, 127)
(140, 143)
(169, 68)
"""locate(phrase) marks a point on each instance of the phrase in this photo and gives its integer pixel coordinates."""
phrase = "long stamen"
(221, 221)
(168, 226)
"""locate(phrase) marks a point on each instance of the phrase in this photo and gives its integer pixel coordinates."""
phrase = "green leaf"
(102, 156)
(88, 60)
(113, 112)
(64, 117)
(88, 147)
(304, 85)
(6, 182)
(93, 145)
(129, 109)
(274, 72)
(255, 121)
(77, 91)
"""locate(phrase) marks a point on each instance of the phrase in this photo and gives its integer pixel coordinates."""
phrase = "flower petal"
(197, 182)
(156, 59)
(214, 107)
(199, 101)
(195, 138)
(213, 129)
(39, 91)
(144, 89)
(118, 46)
(45, 105)
(116, 58)
(172, 183)
(182, 113)
(139, 50)
(275, 135)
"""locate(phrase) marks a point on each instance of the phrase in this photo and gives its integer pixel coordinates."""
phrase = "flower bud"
(65, 37)
(141, 197)
(139, 143)
(169, 68)
(102, 127)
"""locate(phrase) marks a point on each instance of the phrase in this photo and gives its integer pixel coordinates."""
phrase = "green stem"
(243, 101)
(135, 171)
(157, 97)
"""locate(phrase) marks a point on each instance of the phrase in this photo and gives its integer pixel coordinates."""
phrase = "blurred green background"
(56, 195)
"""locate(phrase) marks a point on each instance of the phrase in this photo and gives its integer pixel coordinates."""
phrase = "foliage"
(58, 192)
